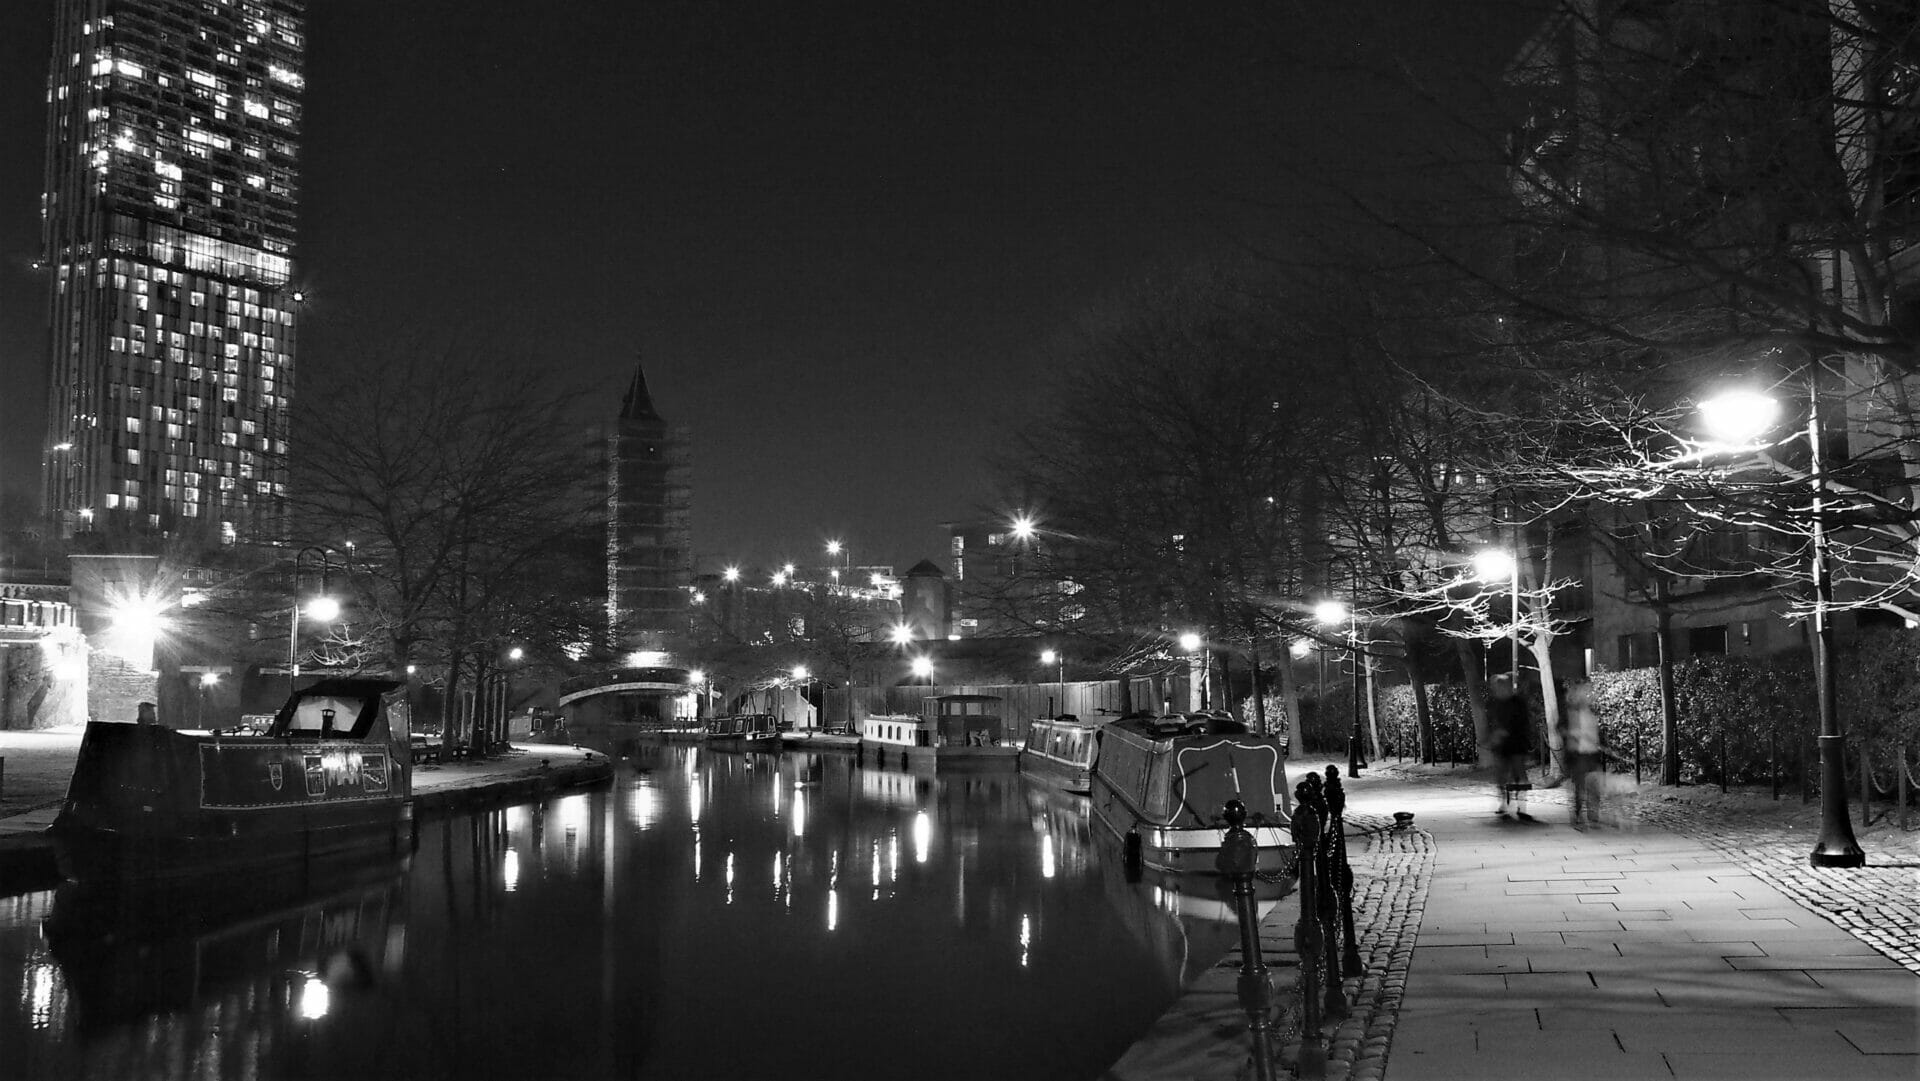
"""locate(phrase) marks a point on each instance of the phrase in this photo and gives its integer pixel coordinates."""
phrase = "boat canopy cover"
(337, 708)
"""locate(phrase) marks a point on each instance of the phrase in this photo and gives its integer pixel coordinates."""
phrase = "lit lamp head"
(732, 574)
(516, 653)
(923, 666)
(1190, 641)
(1330, 612)
(799, 673)
(1739, 418)
(1048, 656)
(208, 679)
(322, 609)
(901, 634)
(1493, 565)
(833, 547)
(1300, 648)
(1023, 527)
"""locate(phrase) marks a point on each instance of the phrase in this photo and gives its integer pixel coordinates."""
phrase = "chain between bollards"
(1238, 860)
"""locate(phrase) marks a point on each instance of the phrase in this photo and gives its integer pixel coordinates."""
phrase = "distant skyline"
(845, 242)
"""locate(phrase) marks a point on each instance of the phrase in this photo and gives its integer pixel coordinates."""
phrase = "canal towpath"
(1691, 942)
(36, 766)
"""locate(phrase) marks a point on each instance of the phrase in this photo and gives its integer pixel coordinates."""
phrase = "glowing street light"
(1494, 565)
(1058, 659)
(901, 634)
(323, 609)
(1023, 527)
(1740, 418)
(1190, 641)
(1330, 613)
(1300, 648)
(923, 668)
(732, 574)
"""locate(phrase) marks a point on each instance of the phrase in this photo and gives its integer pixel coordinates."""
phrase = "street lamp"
(1197, 676)
(1739, 418)
(1059, 659)
(1332, 613)
(1492, 565)
(320, 609)
(805, 679)
(923, 668)
(1023, 526)
(207, 679)
(901, 634)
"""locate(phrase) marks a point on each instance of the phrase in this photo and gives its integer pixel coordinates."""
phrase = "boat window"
(329, 715)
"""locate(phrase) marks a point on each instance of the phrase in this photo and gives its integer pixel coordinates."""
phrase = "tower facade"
(649, 497)
(168, 234)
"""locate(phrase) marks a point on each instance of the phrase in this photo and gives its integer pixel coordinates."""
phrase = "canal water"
(708, 915)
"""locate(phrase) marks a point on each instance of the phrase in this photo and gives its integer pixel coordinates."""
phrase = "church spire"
(638, 404)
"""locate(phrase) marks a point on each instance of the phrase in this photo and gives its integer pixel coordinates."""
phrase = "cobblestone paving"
(1390, 891)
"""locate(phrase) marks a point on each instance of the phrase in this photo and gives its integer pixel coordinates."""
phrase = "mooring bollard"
(1306, 933)
(1343, 871)
(1238, 860)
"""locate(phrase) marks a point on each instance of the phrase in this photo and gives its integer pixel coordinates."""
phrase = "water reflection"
(591, 934)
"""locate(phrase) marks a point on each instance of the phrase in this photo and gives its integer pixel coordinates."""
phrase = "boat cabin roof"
(337, 708)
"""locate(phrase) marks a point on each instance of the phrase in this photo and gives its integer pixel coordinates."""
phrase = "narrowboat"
(330, 775)
(952, 730)
(743, 732)
(1160, 784)
(1060, 751)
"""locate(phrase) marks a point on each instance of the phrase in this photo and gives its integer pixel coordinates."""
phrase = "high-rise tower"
(648, 500)
(168, 233)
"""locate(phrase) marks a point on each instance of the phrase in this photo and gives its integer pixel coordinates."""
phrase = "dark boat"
(744, 732)
(1060, 751)
(1160, 783)
(330, 776)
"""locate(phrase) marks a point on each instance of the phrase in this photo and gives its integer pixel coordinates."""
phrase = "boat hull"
(1162, 790)
(149, 803)
(1074, 777)
(758, 741)
(1061, 751)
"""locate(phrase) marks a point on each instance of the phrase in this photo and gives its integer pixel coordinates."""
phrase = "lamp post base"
(1836, 846)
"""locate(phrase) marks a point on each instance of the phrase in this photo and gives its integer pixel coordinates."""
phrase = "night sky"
(845, 239)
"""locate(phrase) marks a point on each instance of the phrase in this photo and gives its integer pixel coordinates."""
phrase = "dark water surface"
(709, 915)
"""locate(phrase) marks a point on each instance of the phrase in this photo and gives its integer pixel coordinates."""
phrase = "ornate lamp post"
(1740, 419)
(321, 609)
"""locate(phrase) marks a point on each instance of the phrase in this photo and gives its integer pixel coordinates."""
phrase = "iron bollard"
(1343, 872)
(1334, 999)
(1306, 934)
(1237, 860)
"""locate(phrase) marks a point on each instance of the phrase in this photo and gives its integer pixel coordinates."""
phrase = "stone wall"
(33, 694)
(115, 688)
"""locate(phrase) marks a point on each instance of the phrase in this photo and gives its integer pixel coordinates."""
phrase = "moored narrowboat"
(743, 732)
(1060, 751)
(330, 775)
(1160, 784)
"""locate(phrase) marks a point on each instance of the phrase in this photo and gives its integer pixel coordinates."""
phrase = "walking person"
(1580, 744)
(1511, 732)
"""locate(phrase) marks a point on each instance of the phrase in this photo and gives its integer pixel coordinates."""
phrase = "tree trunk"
(1412, 657)
(1556, 758)
(1259, 692)
(1469, 652)
(1373, 714)
(1669, 712)
(450, 705)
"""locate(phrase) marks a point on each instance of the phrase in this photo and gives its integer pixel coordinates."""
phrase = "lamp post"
(1740, 418)
(321, 609)
(805, 679)
(923, 668)
(207, 680)
(1059, 659)
(1196, 675)
(1333, 613)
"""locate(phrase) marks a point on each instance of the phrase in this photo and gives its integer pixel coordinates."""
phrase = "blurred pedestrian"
(1512, 735)
(1580, 747)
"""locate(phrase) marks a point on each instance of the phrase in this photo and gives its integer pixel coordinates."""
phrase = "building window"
(1706, 640)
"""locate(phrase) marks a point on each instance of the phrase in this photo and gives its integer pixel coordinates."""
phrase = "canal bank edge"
(1203, 1036)
(26, 851)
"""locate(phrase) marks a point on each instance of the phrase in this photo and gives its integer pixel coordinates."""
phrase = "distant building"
(649, 498)
(168, 234)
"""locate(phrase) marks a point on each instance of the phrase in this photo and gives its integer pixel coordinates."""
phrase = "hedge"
(1755, 714)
